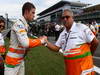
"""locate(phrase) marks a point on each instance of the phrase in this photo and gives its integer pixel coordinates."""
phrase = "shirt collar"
(73, 28)
(24, 22)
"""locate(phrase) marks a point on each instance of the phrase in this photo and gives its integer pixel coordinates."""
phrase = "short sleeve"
(89, 35)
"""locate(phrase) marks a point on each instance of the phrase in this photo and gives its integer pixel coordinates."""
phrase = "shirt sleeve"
(1, 40)
(23, 37)
(89, 35)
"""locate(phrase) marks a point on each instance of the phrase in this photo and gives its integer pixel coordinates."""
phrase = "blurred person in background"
(2, 47)
(96, 25)
(92, 27)
(57, 31)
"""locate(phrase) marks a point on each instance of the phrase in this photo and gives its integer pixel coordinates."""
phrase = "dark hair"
(2, 21)
(27, 6)
(90, 22)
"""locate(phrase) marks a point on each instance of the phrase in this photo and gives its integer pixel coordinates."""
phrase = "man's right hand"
(43, 39)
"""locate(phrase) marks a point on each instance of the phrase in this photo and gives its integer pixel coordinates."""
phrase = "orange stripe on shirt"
(17, 51)
(2, 49)
(83, 49)
(34, 42)
(12, 61)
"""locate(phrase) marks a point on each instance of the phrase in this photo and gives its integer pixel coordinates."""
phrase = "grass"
(42, 61)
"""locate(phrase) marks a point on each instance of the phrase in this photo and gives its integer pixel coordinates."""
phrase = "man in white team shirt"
(2, 47)
(75, 41)
(20, 42)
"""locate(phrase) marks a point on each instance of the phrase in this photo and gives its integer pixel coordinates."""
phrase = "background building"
(53, 14)
(89, 14)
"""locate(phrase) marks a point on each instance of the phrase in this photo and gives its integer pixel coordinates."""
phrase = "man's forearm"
(52, 47)
(93, 47)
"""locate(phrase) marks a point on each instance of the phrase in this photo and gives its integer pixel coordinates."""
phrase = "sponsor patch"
(20, 26)
(73, 37)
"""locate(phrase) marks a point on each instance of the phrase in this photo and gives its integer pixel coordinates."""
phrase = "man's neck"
(25, 18)
(69, 28)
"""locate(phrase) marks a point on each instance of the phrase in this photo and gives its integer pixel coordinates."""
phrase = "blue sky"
(13, 7)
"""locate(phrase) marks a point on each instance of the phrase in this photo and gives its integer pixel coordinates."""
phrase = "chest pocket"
(75, 40)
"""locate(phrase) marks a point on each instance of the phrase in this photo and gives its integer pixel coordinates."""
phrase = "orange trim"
(22, 30)
(83, 49)
(94, 33)
(75, 67)
(2, 49)
(34, 42)
(12, 61)
(17, 51)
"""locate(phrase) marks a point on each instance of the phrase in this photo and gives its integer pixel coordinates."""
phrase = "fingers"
(43, 39)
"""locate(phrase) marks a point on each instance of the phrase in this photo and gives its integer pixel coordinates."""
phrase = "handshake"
(43, 40)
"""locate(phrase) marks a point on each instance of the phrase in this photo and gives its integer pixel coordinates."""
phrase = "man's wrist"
(45, 44)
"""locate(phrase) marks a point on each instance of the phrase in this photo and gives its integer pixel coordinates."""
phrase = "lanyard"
(66, 39)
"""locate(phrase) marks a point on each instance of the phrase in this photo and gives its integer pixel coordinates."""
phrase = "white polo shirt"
(1, 40)
(78, 34)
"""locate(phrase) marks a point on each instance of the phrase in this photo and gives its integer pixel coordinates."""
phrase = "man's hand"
(43, 40)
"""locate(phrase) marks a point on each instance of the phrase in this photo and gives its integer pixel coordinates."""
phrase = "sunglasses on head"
(63, 17)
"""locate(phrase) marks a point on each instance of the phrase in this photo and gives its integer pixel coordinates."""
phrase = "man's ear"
(26, 12)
